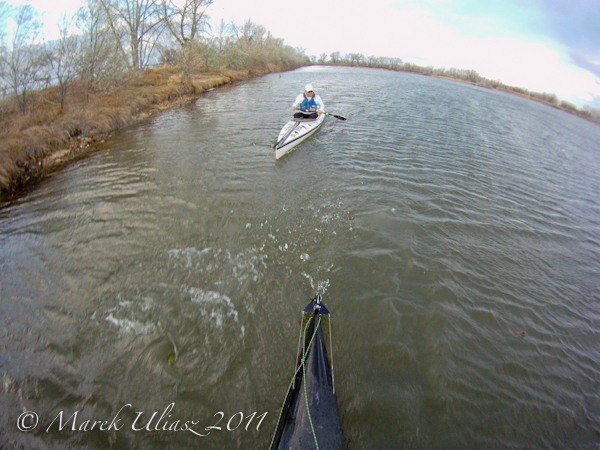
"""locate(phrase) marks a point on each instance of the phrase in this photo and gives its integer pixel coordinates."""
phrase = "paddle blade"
(336, 116)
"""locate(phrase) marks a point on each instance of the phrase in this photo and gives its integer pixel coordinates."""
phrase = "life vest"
(309, 105)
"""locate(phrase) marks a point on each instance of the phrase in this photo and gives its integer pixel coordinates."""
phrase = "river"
(453, 231)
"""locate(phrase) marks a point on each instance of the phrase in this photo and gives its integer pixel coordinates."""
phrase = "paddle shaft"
(327, 114)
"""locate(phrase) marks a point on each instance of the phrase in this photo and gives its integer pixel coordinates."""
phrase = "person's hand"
(319, 112)
(293, 108)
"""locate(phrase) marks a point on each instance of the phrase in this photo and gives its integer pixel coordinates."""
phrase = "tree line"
(107, 39)
(112, 62)
(468, 76)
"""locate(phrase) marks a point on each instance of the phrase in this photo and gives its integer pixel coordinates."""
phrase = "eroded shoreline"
(71, 135)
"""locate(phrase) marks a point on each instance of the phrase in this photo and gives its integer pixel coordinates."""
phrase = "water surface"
(439, 222)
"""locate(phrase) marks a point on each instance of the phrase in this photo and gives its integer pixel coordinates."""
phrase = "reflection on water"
(452, 230)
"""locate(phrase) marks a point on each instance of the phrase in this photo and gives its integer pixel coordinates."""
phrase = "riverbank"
(590, 115)
(473, 78)
(46, 137)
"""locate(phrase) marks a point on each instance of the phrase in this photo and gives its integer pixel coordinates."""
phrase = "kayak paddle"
(327, 114)
(333, 115)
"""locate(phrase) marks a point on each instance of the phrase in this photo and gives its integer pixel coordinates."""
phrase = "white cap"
(308, 87)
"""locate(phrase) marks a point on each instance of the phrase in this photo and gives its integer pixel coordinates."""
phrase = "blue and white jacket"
(303, 103)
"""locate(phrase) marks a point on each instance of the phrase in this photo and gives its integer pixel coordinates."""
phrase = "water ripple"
(453, 230)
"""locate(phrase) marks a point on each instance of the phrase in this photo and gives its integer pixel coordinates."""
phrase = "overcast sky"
(542, 45)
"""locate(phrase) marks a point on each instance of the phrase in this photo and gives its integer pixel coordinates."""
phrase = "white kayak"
(294, 132)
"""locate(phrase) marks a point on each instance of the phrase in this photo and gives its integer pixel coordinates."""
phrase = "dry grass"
(30, 142)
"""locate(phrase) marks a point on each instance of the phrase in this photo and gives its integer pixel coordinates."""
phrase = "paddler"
(309, 103)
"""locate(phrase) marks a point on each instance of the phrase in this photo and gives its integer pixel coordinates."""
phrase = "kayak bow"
(294, 132)
(310, 418)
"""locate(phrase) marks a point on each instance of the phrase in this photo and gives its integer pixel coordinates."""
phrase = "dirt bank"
(46, 137)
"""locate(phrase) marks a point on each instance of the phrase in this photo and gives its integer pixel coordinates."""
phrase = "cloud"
(572, 24)
(576, 25)
(542, 45)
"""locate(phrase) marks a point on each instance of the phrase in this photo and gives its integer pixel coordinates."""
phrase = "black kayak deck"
(310, 417)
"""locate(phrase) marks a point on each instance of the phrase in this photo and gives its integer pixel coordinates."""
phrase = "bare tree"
(23, 59)
(373, 61)
(63, 56)
(249, 34)
(223, 32)
(335, 57)
(190, 58)
(473, 76)
(143, 23)
(5, 10)
(186, 22)
(356, 57)
(593, 113)
(247, 47)
(101, 52)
